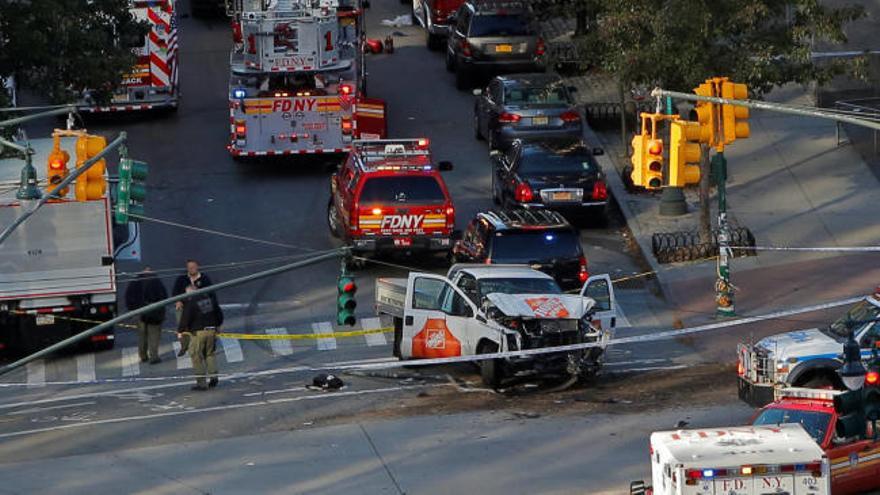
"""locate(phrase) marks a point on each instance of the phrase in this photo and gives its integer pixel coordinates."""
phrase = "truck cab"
(855, 463)
(806, 358)
(485, 309)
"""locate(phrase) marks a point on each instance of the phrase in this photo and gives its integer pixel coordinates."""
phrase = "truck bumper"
(754, 394)
(392, 244)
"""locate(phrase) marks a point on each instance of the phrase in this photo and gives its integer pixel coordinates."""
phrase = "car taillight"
(872, 378)
(355, 217)
(539, 47)
(346, 125)
(465, 48)
(570, 116)
(600, 191)
(236, 32)
(509, 118)
(346, 89)
(740, 368)
(523, 193)
(583, 274)
(423, 143)
(240, 129)
(450, 217)
(252, 44)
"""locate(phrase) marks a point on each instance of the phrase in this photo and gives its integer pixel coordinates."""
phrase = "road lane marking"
(85, 368)
(324, 344)
(226, 407)
(130, 362)
(232, 349)
(272, 392)
(373, 339)
(622, 320)
(280, 347)
(637, 361)
(50, 408)
(36, 373)
(183, 362)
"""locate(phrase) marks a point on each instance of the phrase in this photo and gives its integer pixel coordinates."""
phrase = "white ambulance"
(747, 460)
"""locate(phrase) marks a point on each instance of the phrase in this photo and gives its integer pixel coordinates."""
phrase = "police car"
(806, 358)
(389, 196)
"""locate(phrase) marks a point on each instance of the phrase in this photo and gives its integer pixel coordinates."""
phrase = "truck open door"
(369, 115)
(600, 289)
(436, 318)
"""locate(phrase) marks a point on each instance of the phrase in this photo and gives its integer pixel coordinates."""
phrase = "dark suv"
(560, 174)
(493, 37)
(541, 239)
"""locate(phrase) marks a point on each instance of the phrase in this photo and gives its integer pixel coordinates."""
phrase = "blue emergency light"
(239, 93)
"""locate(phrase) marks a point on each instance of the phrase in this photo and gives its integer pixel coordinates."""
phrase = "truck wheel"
(490, 369)
(637, 488)
(398, 337)
(333, 219)
(462, 78)
(496, 194)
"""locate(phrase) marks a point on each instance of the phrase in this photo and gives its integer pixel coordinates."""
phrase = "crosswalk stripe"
(36, 373)
(373, 339)
(130, 362)
(183, 362)
(85, 367)
(328, 343)
(280, 347)
(232, 349)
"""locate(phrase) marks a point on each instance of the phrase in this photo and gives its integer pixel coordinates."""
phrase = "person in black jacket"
(201, 317)
(143, 290)
(197, 279)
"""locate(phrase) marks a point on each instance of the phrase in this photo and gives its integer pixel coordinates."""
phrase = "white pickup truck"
(482, 309)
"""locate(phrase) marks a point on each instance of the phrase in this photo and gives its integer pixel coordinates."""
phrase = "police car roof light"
(809, 393)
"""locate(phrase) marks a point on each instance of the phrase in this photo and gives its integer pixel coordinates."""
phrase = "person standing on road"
(142, 291)
(201, 317)
(192, 277)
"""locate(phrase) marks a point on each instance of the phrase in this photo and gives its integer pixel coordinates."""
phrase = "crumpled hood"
(544, 306)
(800, 343)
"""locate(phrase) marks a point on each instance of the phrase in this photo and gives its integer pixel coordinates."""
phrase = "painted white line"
(183, 362)
(280, 347)
(653, 368)
(85, 367)
(373, 339)
(50, 408)
(130, 362)
(268, 402)
(365, 361)
(325, 344)
(36, 373)
(272, 392)
(622, 320)
(637, 361)
(232, 349)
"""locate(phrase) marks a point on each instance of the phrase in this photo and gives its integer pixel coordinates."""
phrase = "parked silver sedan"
(519, 106)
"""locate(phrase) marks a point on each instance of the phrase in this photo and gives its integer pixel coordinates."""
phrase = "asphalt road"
(103, 402)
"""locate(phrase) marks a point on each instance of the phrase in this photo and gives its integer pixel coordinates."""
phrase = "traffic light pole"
(724, 305)
(61, 185)
(161, 304)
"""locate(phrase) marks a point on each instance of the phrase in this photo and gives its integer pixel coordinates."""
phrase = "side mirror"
(598, 152)
(572, 89)
(444, 166)
(478, 92)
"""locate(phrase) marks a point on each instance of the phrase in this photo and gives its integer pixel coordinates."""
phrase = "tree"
(61, 47)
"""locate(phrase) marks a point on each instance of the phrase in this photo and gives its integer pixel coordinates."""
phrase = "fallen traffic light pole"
(335, 253)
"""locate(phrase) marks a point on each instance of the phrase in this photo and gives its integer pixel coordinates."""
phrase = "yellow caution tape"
(302, 336)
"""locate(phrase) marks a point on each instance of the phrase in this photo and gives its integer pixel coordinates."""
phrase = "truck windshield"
(814, 422)
(535, 246)
(517, 286)
(405, 190)
(857, 316)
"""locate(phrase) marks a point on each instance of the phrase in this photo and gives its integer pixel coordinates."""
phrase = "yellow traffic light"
(653, 171)
(684, 153)
(92, 184)
(733, 116)
(56, 166)
(638, 160)
(706, 113)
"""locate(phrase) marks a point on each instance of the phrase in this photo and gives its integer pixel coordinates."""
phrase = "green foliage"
(60, 47)
(679, 43)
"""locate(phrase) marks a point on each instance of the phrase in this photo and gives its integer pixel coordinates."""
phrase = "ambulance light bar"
(809, 393)
(693, 475)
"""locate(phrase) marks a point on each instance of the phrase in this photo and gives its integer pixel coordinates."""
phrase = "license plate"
(562, 196)
(540, 120)
(503, 48)
(403, 241)
(45, 319)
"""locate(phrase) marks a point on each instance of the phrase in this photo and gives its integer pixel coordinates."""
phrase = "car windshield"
(540, 161)
(553, 94)
(857, 316)
(410, 189)
(814, 422)
(500, 25)
(535, 246)
(488, 286)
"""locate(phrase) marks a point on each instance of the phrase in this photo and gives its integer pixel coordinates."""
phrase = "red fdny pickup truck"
(855, 463)
(388, 196)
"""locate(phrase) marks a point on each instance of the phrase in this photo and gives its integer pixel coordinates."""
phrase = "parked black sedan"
(525, 106)
(561, 174)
